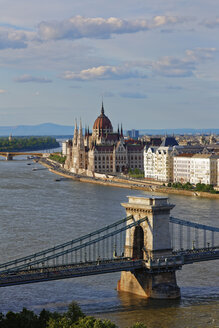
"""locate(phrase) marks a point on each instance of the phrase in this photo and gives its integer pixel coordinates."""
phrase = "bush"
(188, 186)
(136, 173)
(58, 158)
(205, 188)
(199, 187)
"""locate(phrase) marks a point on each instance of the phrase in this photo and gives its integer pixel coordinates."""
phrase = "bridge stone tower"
(149, 241)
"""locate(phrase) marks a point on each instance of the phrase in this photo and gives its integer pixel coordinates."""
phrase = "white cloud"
(182, 67)
(100, 28)
(167, 66)
(28, 78)
(200, 54)
(173, 67)
(167, 20)
(213, 23)
(77, 27)
(105, 73)
(14, 39)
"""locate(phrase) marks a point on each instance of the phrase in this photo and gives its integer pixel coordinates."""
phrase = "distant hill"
(46, 129)
(177, 131)
(51, 129)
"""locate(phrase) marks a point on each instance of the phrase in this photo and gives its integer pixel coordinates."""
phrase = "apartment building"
(158, 161)
(204, 169)
(182, 168)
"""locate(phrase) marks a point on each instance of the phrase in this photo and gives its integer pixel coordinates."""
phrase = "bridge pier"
(158, 286)
(9, 157)
(150, 241)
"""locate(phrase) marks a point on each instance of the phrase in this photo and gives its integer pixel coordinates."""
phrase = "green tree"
(91, 322)
(139, 325)
(74, 312)
(63, 322)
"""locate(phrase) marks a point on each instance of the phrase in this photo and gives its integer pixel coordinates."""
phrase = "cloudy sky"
(155, 63)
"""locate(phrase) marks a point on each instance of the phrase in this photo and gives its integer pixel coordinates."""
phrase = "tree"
(91, 322)
(74, 312)
(60, 323)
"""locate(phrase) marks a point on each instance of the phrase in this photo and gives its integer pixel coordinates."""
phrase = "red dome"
(102, 122)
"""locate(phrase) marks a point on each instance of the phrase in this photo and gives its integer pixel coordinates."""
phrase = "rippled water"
(37, 212)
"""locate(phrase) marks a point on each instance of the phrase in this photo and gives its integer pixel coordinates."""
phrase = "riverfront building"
(204, 169)
(173, 163)
(198, 168)
(102, 151)
(182, 168)
(158, 161)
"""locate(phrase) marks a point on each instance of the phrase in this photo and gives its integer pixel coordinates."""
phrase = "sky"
(154, 63)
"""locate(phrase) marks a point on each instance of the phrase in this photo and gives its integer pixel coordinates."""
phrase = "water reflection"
(164, 313)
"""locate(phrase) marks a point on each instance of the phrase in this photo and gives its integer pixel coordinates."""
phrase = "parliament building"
(103, 151)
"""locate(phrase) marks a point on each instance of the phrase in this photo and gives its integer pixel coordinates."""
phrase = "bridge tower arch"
(138, 243)
(149, 241)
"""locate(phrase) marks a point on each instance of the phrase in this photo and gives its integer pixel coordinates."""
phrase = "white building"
(182, 168)
(204, 169)
(150, 163)
(64, 147)
(158, 161)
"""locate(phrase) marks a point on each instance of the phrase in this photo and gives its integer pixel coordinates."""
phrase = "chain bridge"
(147, 249)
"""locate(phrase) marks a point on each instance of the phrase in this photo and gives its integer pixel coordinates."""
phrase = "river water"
(37, 212)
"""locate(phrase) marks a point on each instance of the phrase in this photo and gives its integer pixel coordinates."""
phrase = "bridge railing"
(191, 235)
(101, 244)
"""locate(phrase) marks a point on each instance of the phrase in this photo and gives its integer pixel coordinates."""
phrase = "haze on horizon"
(154, 63)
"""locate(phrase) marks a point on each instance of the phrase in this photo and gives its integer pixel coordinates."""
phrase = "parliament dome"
(102, 123)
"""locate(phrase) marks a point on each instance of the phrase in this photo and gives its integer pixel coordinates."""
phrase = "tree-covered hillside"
(27, 143)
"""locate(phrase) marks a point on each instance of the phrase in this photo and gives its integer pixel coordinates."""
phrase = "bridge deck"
(40, 274)
(68, 271)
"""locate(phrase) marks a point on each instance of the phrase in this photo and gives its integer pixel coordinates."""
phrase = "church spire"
(85, 131)
(75, 138)
(121, 131)
(102, 109)
(118, 131)
(80, 136)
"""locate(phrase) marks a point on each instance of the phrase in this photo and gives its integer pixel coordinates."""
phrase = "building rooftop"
(169, 142)
(184, 155)
(205, 156)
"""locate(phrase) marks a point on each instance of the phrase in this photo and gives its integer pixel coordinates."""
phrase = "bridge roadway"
(101, 266)
(9, 153)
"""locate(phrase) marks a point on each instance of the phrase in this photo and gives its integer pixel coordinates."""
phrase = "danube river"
(38, 212)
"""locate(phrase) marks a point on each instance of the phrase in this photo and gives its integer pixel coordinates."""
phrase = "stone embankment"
(119, 182)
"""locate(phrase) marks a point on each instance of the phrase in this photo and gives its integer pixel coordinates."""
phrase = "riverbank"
(123, 183)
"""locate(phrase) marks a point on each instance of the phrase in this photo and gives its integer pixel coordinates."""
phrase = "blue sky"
(155, 63)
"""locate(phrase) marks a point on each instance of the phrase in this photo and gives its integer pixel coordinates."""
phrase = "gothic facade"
(102, 151)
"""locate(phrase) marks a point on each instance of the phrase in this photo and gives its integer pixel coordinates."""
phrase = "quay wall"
(129, 184)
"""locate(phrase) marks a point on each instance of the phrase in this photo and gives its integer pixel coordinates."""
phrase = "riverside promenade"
(121, 182)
